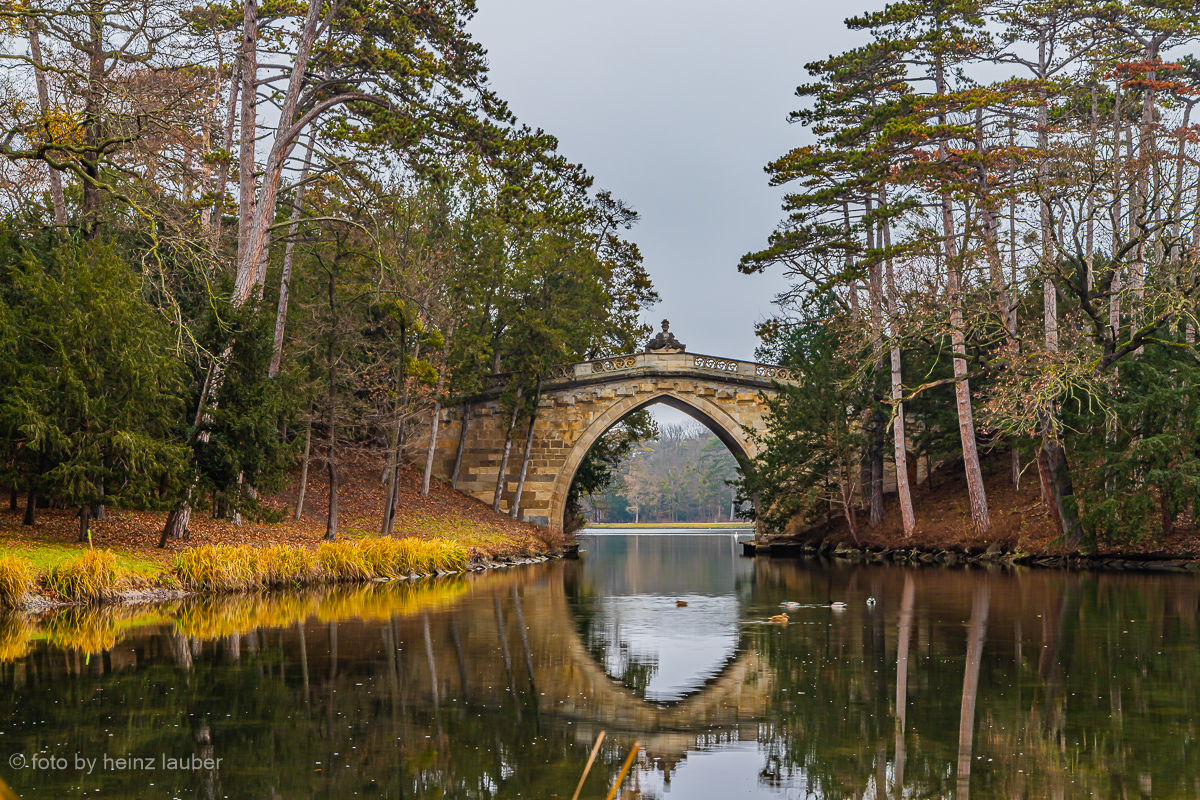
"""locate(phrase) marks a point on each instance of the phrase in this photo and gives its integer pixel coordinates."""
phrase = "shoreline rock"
(966, 556)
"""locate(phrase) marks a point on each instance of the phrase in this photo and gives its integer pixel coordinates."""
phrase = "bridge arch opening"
(700, 408)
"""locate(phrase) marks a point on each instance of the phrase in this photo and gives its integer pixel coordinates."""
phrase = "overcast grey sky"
(674, 106)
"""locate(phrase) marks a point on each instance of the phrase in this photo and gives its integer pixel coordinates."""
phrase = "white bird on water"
(790, 604)
(838, 605)
(870, 601)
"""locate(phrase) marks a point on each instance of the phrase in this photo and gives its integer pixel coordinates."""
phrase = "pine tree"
(92, 392)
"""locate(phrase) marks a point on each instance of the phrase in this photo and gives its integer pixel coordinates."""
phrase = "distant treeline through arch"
(683, 475)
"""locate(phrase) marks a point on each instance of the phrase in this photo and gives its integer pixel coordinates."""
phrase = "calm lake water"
(957, 682)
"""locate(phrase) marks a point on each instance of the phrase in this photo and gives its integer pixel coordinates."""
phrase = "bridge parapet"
(635, 365)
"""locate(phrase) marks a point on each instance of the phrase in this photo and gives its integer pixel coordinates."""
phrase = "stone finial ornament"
(665, 342)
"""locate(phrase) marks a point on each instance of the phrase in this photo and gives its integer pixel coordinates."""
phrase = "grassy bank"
(98, 576)
(438, 533)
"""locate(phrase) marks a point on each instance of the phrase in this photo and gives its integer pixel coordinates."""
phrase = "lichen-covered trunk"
(515, 513)
(1058, 488)
(285, 278)
(39, 73)
(962, 387)
(433, 423)
(249, 127)
(462, 445)
(508, 437)
(85, 518)
(221, 182)
(304, 468)
(331, 523)
(899, 436)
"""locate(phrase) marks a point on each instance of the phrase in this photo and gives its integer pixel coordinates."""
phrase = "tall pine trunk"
(1052, 462)
(331, 523)
(1049, 292)
(1012, 265)
(876, 430)
(395, 455)
(285, 278)
(249, 127)
(962, 388)
(93, 122)
(899, 437)
(991, 235)
(221, 182)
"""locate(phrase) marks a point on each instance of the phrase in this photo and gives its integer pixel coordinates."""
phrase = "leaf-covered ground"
(1020, 520)
(444, 514)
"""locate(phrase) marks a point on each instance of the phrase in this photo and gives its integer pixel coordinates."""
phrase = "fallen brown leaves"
(1019, 519)
(445, 513)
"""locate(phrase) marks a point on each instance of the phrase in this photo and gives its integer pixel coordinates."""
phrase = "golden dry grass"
(239, 568)
(17, 576)
(344, 561)
(93, 576)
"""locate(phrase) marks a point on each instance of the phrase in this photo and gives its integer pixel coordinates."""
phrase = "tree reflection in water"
(994, 683)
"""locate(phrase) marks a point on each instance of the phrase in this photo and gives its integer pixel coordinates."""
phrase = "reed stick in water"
(624, 768)
(587, 768)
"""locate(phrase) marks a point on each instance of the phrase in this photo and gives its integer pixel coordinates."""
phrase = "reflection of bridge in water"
(454, 687)
(505, 641)
(729, 705)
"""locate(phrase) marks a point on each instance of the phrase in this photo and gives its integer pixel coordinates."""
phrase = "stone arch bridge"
(580, 402)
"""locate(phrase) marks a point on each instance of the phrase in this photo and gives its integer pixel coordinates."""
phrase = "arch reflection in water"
(628, 616)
